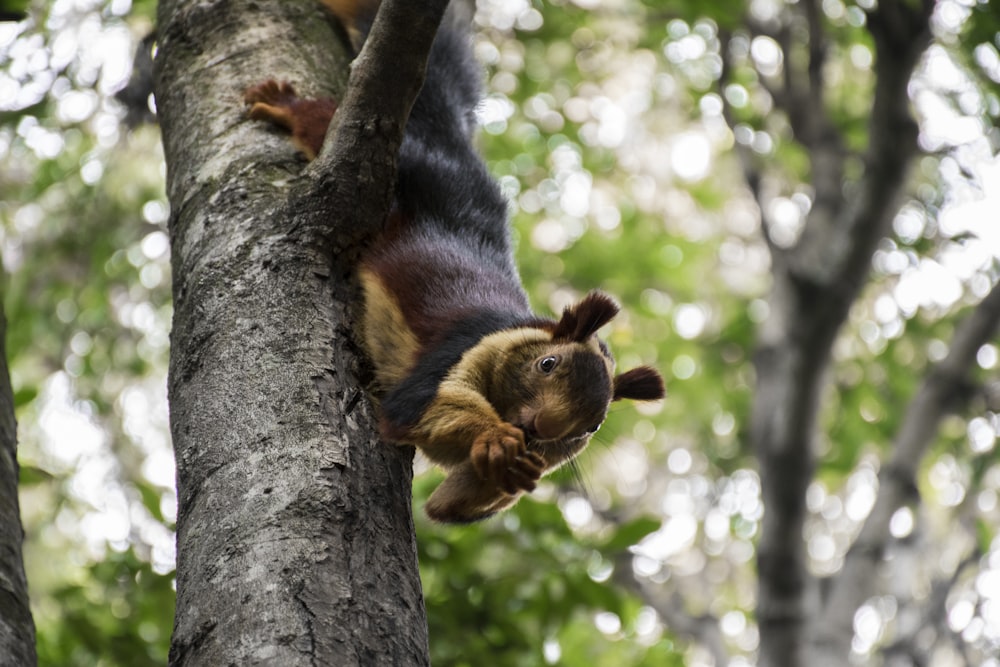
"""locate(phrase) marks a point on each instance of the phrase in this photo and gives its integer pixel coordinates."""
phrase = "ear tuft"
(580, 322)
(640, 384)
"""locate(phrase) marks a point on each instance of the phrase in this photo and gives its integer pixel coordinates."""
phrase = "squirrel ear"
(640, 384)
(580, 322)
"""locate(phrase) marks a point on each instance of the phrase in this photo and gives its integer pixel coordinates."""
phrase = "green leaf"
(631, 533)
(30, 475)
(25, 395)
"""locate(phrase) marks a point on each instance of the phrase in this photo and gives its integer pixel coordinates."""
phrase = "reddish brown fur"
(355, 15)
(486, 389)
(306, 119)
(415, 269)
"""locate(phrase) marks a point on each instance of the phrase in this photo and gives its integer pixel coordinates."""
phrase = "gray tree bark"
(17, 628)
(295, 534)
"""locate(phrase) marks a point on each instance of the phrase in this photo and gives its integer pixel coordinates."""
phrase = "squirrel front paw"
(500, 455)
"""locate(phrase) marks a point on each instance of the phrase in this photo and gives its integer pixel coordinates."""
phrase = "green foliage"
(485, 607)
(118, 614)
(590, 102)
(86, 292)
(13, 9)
(727, 14)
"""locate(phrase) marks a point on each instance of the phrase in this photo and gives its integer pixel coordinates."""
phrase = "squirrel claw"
(501, 457)
(307, 119)
(523, 474)
(496, 449)
(271, 93)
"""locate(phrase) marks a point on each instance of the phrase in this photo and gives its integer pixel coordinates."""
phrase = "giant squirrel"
(491, 392)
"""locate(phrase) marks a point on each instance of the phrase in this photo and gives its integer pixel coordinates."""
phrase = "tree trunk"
(17, 628)
(295, 534)
(815, 282)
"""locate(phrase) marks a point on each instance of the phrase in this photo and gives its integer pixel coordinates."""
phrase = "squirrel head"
(559, 390)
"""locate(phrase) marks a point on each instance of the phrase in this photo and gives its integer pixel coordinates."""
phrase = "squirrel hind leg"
(463, 497)
(306, 119)
(356, 16)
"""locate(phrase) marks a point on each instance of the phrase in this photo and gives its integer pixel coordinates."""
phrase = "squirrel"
(492, 393)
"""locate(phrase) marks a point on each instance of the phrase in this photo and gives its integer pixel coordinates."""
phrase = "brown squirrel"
(489, 391)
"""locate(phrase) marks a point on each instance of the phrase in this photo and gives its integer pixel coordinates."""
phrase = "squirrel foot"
(307, 119)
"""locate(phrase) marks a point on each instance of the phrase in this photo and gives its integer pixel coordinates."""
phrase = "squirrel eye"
(548, 364)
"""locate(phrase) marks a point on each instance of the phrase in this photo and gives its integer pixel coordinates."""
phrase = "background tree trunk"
(17, 630)
(295, 533)
(815, 282)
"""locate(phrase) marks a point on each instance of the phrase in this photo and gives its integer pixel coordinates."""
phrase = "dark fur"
(488, 389)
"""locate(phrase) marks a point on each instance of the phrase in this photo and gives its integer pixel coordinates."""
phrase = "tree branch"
(836, 247)
(670, 607)
(752, 174)
(933, 615)
(817, 59)
(897, 479)
(355, 173)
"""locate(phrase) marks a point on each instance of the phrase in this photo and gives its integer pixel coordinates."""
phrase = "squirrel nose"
(530, 429)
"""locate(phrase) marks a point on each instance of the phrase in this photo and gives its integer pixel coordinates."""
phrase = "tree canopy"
(670, 152)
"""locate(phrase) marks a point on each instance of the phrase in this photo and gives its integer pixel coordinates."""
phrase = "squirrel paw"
(500, 456)
(271, 101)
(306, 119)
(271, 92)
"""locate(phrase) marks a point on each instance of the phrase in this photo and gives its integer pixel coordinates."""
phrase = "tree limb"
(355, 173)
(817, 60)
(897, 478)
(835, 249)
(934, 613)
(670, 607)
(752, 174)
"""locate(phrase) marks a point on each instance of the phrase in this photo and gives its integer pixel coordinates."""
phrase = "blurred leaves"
(119, 613)
(483, 602)
(604, 123)
(86, 290)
